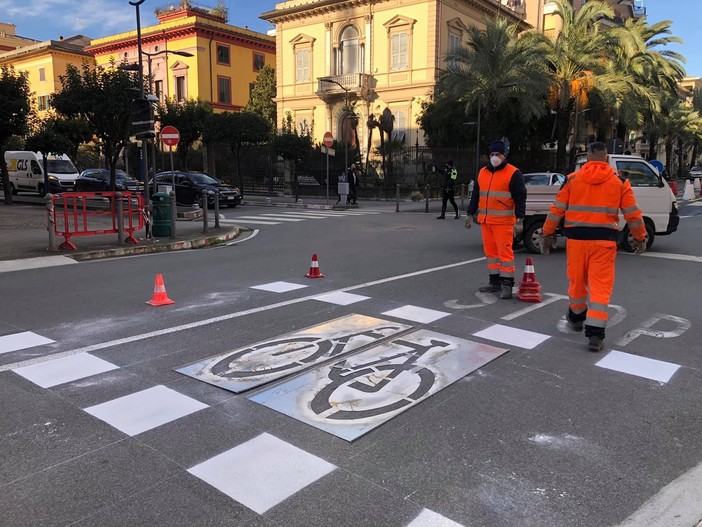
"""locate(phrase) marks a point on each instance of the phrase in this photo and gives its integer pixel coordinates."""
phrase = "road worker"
(499, 199)
(590, 201)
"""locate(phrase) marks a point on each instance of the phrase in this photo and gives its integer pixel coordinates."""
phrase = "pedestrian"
(499, 199)
(590, 201)
(448, 185)
(353, 184)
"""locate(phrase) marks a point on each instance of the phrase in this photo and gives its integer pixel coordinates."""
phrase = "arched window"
(346, 131)
(349, 52)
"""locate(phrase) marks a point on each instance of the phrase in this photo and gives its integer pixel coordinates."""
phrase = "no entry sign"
(170, 135)
(328, 140)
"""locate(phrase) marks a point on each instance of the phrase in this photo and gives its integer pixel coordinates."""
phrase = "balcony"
(358, 85)
(518, 6)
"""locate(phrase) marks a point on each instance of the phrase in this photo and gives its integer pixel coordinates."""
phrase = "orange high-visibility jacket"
(591, 200)
(499, 196)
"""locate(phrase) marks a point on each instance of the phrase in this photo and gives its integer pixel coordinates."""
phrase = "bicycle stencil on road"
(361, 391)
(255, 365)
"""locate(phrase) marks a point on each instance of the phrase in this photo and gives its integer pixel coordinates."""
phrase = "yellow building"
(378, 54)
(44, 62)
(224, 63)
(689, 86)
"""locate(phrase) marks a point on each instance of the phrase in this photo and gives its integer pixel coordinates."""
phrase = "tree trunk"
(562, 129)
(669, 156)
(5, 181)
(652, 147)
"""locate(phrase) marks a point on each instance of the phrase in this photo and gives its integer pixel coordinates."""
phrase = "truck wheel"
(627, 238)
(532, 237)
(40, 189)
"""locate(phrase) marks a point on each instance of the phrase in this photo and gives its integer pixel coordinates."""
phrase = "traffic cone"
(160, 297)
(696, 185)
(689, 192)
(529, 288)
(314, 269)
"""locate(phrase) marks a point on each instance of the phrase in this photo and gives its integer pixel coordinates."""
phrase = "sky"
(49, 19)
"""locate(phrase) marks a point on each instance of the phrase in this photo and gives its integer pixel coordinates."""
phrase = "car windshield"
(537, 179)
(61, 166)
(203, 179)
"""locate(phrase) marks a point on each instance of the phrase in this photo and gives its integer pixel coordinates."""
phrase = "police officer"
(590, 201)
(448, 186)
(499, 198)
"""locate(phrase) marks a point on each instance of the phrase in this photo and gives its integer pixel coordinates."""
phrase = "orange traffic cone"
(160, 297)
(529, 288)
(314, 269)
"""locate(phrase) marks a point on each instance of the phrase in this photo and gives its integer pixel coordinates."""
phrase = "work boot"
(442, 217)
(506, 290)
(457, 216)
(595, 343)
(575, 325)
(492, 287)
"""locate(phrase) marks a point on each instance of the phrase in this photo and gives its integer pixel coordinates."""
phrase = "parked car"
(695, 172)
(544, 178)
(190, 187)
(98, 180)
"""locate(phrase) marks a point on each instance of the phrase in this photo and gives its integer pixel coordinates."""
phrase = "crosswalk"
(283, 217)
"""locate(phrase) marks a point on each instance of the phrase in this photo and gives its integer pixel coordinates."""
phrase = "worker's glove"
(469, 221)
(639, 246)
(547, 243)
(518, 227)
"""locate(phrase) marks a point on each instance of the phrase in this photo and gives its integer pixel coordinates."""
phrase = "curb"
(197, 243)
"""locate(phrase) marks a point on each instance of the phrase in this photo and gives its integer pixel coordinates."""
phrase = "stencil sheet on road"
(253, 366)
(361, 391)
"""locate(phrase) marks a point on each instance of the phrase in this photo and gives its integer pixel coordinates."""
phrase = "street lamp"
(346, 110)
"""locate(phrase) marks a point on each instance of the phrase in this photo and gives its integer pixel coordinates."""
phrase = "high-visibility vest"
(495, 204)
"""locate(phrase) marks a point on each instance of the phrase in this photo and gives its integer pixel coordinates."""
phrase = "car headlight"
(53, 178)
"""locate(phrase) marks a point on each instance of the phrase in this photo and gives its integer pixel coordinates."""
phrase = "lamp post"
(346, 110)
(140, 72)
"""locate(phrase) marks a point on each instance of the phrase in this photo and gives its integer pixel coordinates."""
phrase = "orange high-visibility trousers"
(497, 245)
(591, 269)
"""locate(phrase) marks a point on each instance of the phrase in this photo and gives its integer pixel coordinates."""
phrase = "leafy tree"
(261, 101)
(292, 147)
(48, 139)
(102, 97)
(75, 131)
(15, 116)
(190, 118)
(236, 129)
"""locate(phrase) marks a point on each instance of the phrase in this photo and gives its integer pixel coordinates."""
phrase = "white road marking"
(429, 518)
(262, 472)
(682, 324)
(255, 220)
(66, 369)
(341, 298)
(529, 309)
(229, 316)
(278, 287)
(299, 215)
(671, 256)
(20, 341)
(275, 217)
(416, 314)
(23, 264)
(656, 370)
(237, 241)
(512, 336)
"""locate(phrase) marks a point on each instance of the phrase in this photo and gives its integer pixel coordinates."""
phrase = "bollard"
(204, 212)
(426, 198)
(50, 220)
(120, 217)
(174, 213)
(216, 208)
(463, 193)
(397, 198)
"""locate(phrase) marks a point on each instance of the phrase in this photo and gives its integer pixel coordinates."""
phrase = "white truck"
(653, 195)
(26, 171)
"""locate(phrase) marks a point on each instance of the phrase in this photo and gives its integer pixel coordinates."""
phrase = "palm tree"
(479, 72)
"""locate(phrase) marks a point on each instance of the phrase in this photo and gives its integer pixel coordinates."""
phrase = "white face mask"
(495, 161)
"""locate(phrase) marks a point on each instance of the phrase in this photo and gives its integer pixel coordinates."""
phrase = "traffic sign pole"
(328, 141)
(170, 137)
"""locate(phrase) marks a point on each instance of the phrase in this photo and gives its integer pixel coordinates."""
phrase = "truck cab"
(26, 172)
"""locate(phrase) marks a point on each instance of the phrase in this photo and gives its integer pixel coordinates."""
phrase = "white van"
(26, 171)
(653, 196)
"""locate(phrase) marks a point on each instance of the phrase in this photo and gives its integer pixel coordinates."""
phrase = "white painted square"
(65, 369)
(262, 472)
(340, 298)
(512, 336)
(20, 341)
(656, 370)
(278, 287)
(142, 411)
(416, 314)
(429, 518)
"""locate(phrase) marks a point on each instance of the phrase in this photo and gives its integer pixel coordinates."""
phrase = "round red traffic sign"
(328, 140)
(170, 135)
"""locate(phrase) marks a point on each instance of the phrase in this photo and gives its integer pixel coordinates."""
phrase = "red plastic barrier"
(80, 214)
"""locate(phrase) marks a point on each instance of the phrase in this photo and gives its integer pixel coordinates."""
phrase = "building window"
(303, 126)
(43, 103)
(302, 65)
(349, 54)
(399, 51)
(224, 90)
(259, 60)
(223, 55)
(399, 132)
(42, 74)
(453, 44)
(180, 88)
(158, 87)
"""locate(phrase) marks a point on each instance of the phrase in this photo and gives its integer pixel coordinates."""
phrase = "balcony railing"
(355, 83)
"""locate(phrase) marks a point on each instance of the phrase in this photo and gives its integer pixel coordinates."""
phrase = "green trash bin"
(161, 214)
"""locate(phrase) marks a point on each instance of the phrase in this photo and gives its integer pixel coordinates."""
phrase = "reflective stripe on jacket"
(495, 203)
(590, 201)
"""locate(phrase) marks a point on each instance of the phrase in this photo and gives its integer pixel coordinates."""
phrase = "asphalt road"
(541, 434)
